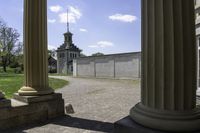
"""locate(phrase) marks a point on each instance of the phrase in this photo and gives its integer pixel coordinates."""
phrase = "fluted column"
(169, 67)
(35, 48)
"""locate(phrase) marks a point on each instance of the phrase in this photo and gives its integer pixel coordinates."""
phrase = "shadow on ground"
(68, 121)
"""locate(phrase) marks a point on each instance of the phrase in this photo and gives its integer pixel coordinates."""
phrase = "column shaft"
(35, 48)
(169, 66)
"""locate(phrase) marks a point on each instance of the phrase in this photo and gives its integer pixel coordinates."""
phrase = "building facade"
(66, 53)
(52, 64)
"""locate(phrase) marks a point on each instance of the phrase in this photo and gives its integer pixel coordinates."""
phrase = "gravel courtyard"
(98, 103)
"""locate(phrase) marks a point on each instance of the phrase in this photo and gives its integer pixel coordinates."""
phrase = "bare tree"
(8, 39)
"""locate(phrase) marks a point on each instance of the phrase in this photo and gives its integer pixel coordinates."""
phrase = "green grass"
(11, 83)
(8, 70)
(57, 83)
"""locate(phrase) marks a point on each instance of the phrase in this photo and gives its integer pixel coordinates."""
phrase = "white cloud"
(102, 44)
(83, 30)
(75, 11)
(55, 8)
(51, 20)
(93, 46)
(74, 14)
(123, 18)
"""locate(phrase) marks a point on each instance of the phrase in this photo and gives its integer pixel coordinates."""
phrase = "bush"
(14, 65)
(52, 71)
(18, 70)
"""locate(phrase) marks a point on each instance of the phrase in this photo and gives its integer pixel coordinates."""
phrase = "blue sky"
(107, 26)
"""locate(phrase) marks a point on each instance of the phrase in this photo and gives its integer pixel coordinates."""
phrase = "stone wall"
(119, 66)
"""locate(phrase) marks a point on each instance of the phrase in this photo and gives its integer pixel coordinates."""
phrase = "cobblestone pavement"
(98, 103)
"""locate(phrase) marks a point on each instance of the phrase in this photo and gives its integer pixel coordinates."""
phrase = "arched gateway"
(169, 80)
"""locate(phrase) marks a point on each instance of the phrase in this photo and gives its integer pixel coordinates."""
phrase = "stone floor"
(98, 103)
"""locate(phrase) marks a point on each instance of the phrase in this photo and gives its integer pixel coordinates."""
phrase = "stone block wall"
(119, 66)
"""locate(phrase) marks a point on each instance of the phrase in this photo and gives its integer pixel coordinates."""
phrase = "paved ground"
(98, 103)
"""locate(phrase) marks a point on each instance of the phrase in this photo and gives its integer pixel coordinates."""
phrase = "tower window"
(62, 55)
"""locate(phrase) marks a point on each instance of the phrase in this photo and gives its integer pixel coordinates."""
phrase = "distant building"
(52, 64)
(66, 53)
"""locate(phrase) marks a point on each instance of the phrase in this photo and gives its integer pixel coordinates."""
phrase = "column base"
(166, 120)
(128, 125)
(28, 91)
(35, 99)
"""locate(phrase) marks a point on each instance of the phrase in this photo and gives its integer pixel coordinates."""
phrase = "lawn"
(11, 83)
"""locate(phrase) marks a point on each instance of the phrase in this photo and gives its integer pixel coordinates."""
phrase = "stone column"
(169, 67)
(35, 49)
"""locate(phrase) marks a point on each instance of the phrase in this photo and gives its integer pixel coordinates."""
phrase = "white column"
(169, 67)
(35, 49)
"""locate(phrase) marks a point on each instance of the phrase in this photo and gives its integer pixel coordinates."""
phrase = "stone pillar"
(169, 67)
(35, 49)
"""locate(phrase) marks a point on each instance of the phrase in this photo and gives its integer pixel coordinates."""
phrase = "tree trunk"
(4, 68)
(4, 64)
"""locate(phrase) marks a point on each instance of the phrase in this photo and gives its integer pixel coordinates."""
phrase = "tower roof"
(68, 20)
(68, 43)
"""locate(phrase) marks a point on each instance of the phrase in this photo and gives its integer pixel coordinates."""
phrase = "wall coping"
(117, 54)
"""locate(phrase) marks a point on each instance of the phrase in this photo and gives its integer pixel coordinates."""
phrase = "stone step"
(16, 103)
